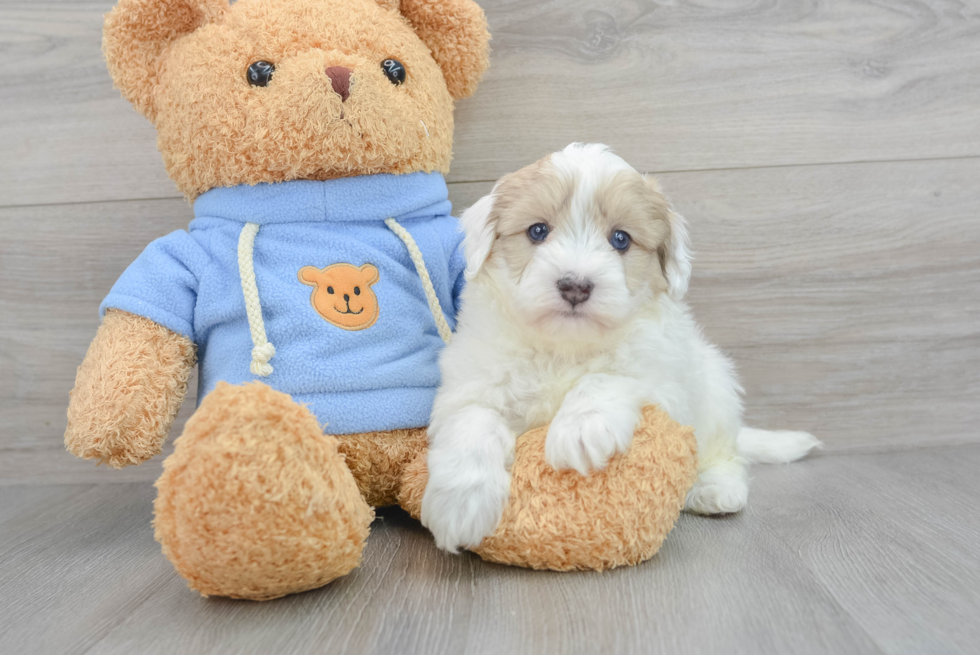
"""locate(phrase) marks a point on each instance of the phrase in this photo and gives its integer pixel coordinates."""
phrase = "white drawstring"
(262, 350)
(442, 325)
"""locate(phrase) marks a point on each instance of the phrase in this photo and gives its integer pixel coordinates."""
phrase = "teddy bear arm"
(562, 520)
(128, 390)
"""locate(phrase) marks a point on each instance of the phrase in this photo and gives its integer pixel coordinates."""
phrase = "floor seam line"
(855, 162)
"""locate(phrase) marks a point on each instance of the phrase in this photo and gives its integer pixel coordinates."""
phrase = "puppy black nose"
(575, 291)
(340, 80)
(346, 297)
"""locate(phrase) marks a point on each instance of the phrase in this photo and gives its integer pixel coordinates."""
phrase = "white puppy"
(574, 314)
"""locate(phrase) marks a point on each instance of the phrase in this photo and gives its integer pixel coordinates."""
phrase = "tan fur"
(534, 194)
(256, 502)
(128, 390)
(378, 461)
(561, 520)
(634, 204)
(456, 33)
(183, 64)
(528, 196)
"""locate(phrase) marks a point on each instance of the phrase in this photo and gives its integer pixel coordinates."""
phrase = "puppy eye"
(330, 290)
(620, 240)
(357, 291)
(394, 71)
(537, 232)
(260, 73)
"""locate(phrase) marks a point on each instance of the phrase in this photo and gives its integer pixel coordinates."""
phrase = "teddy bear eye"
(357, 291)
(394, 70)
(330, 290)
(260, 73)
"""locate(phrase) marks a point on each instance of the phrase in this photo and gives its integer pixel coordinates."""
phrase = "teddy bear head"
(276, 90)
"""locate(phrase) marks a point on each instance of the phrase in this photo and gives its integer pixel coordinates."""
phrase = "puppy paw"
(583, 437)
(717, 492)
(462, 509)
(469, 459)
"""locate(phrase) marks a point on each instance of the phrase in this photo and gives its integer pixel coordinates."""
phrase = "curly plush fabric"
(183, 64)
(378, 461)
(128, 390)
(561, 520)
(456, 32)
(256, 502)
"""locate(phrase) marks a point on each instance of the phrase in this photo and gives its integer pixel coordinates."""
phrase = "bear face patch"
(342, 294)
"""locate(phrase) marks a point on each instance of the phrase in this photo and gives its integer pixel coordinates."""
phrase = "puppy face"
(577, 242)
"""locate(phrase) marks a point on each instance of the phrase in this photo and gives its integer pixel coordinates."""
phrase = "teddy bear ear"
(456, 33)
(369, 273)
(310, 275)
(137, 32)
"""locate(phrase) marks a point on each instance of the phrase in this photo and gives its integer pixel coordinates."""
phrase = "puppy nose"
(340, 80)
(575, 291)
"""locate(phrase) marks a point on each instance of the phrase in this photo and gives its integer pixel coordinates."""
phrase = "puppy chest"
(537, 390)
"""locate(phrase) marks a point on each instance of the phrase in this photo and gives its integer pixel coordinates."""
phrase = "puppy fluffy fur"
(569, 329)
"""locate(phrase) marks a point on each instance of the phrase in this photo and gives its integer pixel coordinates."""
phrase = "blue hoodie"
(379, 373)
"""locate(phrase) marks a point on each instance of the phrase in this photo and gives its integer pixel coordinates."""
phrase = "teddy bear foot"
(563, 520)
(256, 502)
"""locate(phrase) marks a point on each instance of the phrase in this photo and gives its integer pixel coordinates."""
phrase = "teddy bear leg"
(563, 520)
(378, 460)
(256, 502)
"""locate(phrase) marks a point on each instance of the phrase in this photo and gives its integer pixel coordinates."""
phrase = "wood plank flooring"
(860, 553)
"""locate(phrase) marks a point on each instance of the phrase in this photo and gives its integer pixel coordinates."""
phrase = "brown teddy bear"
(312, 136)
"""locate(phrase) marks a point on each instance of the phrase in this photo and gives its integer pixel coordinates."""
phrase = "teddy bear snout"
(340, 80)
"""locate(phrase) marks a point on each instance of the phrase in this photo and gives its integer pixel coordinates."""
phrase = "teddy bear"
(314, 289)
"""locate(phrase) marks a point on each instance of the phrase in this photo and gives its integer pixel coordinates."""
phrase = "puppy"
(574, 314)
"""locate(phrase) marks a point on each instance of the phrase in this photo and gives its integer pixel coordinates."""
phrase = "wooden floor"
(863, 553)
(827, 156)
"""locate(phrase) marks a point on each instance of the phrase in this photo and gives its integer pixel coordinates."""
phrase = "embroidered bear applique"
(342, 294)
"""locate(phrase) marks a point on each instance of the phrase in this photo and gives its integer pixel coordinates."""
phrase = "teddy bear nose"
(340, 80)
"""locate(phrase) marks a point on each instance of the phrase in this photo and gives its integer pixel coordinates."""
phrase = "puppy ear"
(675, 253)
(478, 235)
(137, 33)
(675, 256)
(456, 33)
